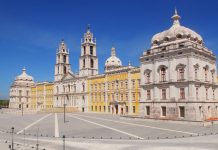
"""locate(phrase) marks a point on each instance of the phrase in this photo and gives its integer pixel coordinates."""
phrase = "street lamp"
(65, 109)
(63, 142)
(22, 108)
(12, 141)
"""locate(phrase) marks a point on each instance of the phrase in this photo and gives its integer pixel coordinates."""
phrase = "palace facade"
(178, 76)
(176, 80)
(117, 91)
(42, 96)
(20, 91)
(70, 88)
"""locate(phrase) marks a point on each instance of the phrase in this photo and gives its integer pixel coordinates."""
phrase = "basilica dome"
(24, 78)
(175, 32)
(113, 61)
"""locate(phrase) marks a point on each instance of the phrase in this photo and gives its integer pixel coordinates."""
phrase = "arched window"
(92, 63)
(91, 50)
(84, 63)
(147, 74)
(84, 48)
(163, 74)
(179, 36)
(180, 72)
(65, 59)
(65, 69)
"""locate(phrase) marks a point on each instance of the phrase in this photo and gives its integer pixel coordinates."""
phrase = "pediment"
(68, 76)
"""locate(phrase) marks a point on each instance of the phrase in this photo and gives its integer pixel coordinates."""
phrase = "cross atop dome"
(24, 70)
(113, 51)
(176, 18)
(88, 27)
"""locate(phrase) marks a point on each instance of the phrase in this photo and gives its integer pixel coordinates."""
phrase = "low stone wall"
(59, 110)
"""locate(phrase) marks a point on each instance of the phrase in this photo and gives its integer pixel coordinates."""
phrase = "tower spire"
(176, 18)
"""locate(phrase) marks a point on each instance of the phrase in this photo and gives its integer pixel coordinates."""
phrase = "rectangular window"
(95, 108)
(92, 108)
(133, 96)
(181, 74)
(126, 109)
(164, 95)
(133, 109)
(109, 108)
(133, 83)
(148, 110)
(104, 109)
(148, 77)
(182, 93)
(148, 94)
(196, 93)
(213, 94)
(99, 108)
(182, 111)
(206, 93)
(196, 73)
(164, 111)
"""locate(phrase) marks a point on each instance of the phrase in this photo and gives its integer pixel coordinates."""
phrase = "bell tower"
(88, 62)
(62, 65)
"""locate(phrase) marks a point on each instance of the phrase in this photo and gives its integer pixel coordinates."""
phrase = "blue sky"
(30, 30)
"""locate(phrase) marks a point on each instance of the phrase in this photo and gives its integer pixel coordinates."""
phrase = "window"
(163, 74)
(164, 111)
(83, 87)
(196, 93)
(164, 94)
(148, 77)
(196, 73)
(206, 93)
(148, 110)
(92, 63)
(212, 76)
(95, 108)
(91, 50)
(133, 96)
(126, 109)
(104, 109)
(148, 94)
(65, 69)
(99, 108)
(109, 108)
(133, 83)
(133, 109)
(65, 59)
(181, 74)
(84, 63)
(84, 48)
(213, 93)
(205, 73)
(182, 93)
(182, 111)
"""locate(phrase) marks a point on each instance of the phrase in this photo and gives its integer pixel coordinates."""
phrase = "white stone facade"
(20, 91)
(71, 88)
(178, 76)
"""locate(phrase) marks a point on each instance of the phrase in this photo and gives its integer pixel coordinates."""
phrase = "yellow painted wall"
(42, 93)
(96, 90)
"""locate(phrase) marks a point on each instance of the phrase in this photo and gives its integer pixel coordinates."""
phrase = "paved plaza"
(103, 131)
